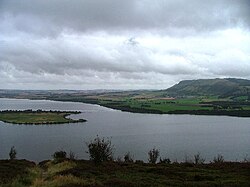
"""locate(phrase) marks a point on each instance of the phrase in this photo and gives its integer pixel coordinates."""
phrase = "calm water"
(176, 136)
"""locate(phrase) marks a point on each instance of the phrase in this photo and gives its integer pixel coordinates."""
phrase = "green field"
(37, 117)
(158, 102)
(147, 103)
(83, 173)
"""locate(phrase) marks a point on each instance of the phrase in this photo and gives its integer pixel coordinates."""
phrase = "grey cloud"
(61, 57)
(121, 44)
(112, 15)
(66, 56)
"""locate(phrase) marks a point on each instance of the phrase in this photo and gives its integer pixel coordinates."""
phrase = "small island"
(38, 117)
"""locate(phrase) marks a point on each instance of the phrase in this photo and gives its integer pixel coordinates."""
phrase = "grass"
(199, 105)
(159, 104)
(80, 173)
(156, 102)
(37, 117)
(12, 169)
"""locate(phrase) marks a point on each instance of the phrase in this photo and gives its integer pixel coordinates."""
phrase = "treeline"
(46, 123)
(39, 111)
(235, 113)
(73, 99)
(127, 108)
(228, 104)
(215, 112)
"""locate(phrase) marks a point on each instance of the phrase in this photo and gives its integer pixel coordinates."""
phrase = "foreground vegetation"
(103, 171)
(38, 117)
(78, 173)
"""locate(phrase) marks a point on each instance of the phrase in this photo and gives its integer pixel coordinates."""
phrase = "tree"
(218, 159)
(198, 159)
(153, 155)
(12, 153)
(100, 150)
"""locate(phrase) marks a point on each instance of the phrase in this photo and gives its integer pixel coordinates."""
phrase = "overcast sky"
(121, 44)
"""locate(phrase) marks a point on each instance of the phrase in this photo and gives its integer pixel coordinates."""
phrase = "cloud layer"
(111, 44)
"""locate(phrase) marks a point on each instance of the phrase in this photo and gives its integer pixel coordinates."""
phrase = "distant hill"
(220, 87)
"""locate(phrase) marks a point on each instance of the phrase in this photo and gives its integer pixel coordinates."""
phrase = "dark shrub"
(12, 153)
(59, 156)
(218, 159)
(153, 155)
(198, 159)
(100, 150)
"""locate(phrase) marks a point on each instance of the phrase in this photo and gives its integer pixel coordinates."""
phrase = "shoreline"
(205, 112)
(233, 113)
(40, 112)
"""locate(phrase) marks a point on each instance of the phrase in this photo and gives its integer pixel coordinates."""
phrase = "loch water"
(176, 136)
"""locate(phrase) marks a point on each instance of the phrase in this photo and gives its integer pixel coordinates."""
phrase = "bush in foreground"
(12, 153)
(100, 150)
(218, 159)
(153, 155)
(59, 156)
(198, 159)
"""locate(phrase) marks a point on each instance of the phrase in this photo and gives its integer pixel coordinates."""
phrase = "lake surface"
(176, 136)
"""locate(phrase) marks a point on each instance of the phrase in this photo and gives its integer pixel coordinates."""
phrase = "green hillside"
(217, 87)
(229, 97)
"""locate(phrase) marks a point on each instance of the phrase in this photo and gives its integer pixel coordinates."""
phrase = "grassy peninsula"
(38, 117)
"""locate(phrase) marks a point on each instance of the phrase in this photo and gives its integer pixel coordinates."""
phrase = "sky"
(116, 44)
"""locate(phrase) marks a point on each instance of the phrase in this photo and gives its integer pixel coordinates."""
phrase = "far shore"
(205, 112)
